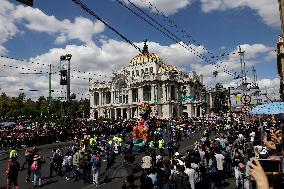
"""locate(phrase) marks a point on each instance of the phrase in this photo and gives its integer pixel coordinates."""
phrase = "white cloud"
(268, 10)
(168, 7)
(8, 28)
(102, 60)
(34, 19)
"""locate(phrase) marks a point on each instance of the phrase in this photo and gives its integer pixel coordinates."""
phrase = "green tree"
(220, 98)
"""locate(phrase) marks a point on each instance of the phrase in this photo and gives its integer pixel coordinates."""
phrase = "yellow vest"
(119, 141)
(93, 141)
(13, 153)
(161, 143)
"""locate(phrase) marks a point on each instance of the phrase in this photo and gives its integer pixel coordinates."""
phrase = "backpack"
(34, 166)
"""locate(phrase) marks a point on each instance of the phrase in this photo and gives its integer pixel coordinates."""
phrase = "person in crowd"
(220, 165)
(96, 166)
(67, 163)
(76, 163)
(12, 172)
(59, 160)
(146, 161)
(181, 179)
(52, 164)
(190, 173)
(86, 166)
(36, 170)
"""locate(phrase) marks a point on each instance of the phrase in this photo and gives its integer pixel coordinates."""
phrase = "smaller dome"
(168, 68)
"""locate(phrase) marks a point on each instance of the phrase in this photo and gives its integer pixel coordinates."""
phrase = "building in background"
(280, 51)
(170, 91)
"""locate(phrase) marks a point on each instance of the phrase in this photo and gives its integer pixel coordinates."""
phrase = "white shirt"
(190, 173)
(146, 162)
(252, 135)
(220, 161)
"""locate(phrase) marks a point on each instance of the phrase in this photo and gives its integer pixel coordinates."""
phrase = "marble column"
(111, 97)
(140, 95)
(169, 92)
(152, 93)
(115, 113)
(121, 112)
(92, 99)
(164, 93)
(128, 113)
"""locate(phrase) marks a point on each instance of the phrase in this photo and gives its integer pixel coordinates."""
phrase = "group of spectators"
(225, 148)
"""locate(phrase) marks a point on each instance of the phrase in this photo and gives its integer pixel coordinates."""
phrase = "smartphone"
(268, 135)
(271, 166)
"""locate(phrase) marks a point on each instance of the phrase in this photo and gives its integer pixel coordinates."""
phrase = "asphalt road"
(61, 182)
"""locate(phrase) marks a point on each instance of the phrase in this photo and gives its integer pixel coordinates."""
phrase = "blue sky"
(53, 27)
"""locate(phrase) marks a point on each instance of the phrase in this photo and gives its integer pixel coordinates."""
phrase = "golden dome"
(145, 58)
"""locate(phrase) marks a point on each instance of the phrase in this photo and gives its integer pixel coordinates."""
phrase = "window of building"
(142, 71)
(151, 69)
(108, 97)
(173, 92)
(133, 74)
(146, 70)
(134, 95)
(96, 99)
(147, 93)
(137, 72)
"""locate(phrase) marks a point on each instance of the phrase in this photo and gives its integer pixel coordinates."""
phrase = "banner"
(192, 98)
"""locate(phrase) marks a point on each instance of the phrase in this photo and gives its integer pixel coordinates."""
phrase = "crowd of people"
(226, 147)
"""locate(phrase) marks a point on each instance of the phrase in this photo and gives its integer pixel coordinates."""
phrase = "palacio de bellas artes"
(147, 79)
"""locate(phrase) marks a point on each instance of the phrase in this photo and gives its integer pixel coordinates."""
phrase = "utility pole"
(49, 93)
(68, 79)
(243, 65)
(49, 85)
(254, 76)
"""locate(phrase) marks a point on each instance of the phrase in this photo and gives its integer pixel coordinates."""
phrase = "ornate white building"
(171, 92)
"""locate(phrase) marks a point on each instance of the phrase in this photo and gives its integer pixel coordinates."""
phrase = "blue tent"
(7, 124)
(269, 109)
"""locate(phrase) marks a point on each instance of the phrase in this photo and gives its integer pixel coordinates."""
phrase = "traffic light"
(63, 77)
(27, 2)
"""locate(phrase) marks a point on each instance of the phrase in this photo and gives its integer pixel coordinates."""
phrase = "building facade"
(280, 51)
(170, 91)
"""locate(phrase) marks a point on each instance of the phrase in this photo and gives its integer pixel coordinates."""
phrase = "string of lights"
(186, 34)
(172, 37)
(57, 67)
(85, 8)
(43, 72)
(176, 40)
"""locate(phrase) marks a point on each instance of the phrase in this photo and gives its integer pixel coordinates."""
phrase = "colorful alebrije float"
(140, 131)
